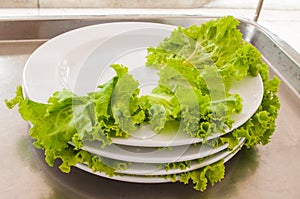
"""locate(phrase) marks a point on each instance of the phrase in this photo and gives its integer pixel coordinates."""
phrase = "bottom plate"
(149, 169)
(143, 178)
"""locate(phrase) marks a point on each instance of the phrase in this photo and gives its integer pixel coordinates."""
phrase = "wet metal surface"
(270, 171)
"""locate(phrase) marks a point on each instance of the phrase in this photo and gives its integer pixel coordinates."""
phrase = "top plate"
(130, 49)
(79, 61)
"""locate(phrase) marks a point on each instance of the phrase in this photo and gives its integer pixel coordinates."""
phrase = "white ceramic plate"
(141, 178)
(153, 154)
(127, 178)
(130, 48)
(56, 64)
(159, 169)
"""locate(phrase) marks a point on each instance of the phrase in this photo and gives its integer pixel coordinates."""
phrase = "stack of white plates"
(79, 60)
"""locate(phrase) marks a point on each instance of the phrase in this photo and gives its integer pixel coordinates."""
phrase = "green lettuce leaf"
(201, 177)
(125, 101)
(68, 118)
(199, 63)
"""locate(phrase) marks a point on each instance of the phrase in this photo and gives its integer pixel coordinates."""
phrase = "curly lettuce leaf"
(201, 177)
(160, 107)
(215, 43)
(68, 118)
(55, 124)
(175, 165)
(205, 59)
(260, 127)
(125, 101)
